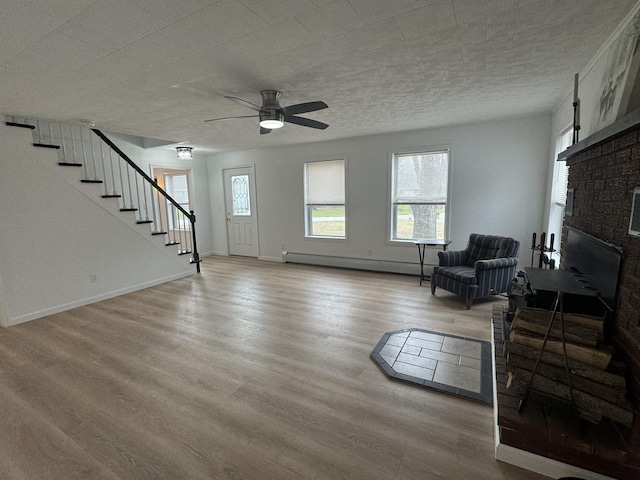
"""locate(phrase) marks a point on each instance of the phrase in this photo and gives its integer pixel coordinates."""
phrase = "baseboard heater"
(387, 266)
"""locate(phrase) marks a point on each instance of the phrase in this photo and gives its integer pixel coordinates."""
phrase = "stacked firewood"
(598, 387)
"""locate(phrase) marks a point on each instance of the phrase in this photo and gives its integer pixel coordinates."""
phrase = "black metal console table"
(422, 244)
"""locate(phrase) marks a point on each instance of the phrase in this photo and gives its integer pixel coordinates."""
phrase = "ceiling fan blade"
(304, 108)
(264, 131)
(243, 103)
(227, 118)
(305, 122)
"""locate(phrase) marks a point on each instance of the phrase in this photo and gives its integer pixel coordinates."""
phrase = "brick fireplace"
(604, 170)
(603, 176)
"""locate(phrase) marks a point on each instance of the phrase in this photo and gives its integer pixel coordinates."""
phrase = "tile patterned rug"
(449, 363)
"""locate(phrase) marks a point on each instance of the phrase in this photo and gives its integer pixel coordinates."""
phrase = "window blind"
(325, 183)
(565, 140)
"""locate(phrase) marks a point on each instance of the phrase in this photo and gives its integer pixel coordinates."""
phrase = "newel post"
(196, 257)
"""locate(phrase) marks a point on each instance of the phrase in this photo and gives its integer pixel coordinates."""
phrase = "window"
(324, 199)
(419, 195)
(565, 140)
(177, 185)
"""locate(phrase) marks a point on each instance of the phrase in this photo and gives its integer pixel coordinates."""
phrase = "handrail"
(124, 156)
(190, 215)
(91, 175)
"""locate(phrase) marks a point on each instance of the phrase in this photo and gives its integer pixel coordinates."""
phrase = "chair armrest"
(452, 258)
(496, 263)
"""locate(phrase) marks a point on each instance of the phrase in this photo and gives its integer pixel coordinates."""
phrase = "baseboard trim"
(270, 259)
(370, 264)
(10, 322)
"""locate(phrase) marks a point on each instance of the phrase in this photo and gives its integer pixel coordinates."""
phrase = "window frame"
(169, 175)
(391, 203)
(561, 170)
(308, 218)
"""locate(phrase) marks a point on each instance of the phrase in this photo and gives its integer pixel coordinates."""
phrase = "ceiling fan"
(273, 116)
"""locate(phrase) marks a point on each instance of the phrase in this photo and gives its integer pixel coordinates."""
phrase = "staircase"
(102, 163)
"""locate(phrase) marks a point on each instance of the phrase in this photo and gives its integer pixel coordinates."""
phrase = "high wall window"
(325, 199)
(419, 195)
(561, 171)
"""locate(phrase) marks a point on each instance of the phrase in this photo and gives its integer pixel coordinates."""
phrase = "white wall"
(498, 186)
(56, 233)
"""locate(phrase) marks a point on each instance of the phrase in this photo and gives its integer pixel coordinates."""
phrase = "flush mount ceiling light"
(184, 153)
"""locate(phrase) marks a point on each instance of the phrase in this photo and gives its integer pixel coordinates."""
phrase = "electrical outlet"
(370, 254)
(94, 277)
(283, 247)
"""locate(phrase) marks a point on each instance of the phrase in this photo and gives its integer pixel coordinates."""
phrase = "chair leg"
(433, 288)
(469, 302)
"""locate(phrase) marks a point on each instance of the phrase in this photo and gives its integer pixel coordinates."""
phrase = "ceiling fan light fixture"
(271, 119)
(271, 124)
(272, 116)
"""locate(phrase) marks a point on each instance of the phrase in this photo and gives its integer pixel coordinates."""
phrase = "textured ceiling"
(159, 68)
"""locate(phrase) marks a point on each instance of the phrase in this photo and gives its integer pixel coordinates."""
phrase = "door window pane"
(240, 195)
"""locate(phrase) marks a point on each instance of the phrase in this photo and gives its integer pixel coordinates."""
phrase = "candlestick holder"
(576, 122)
(545, 252)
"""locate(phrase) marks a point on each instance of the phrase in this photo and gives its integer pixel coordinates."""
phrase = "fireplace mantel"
(608, 133)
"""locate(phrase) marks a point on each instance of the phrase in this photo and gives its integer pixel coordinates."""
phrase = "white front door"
(240, 205)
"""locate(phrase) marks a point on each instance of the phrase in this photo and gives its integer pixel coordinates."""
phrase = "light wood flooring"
(251, 370)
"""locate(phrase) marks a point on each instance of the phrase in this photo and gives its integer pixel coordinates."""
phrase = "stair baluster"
(168, 230)
(154, 223)
(84, 153)
(95, 167)
(64, 148)
(173, 225)
(122, 193)
(113, 177)
(103, 163)
(75, 152)
(50, 133)
(144, 197)
(139, 213)
(176, 231)
(180, 238)
(127, 168)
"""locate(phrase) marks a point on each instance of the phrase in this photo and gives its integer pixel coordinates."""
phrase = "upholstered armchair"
(485, 267)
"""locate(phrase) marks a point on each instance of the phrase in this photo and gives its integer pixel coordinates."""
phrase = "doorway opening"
(167, 218)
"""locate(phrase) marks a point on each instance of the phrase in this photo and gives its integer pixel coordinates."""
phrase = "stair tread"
(63, 163)
(21, 125)
(46, 145)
